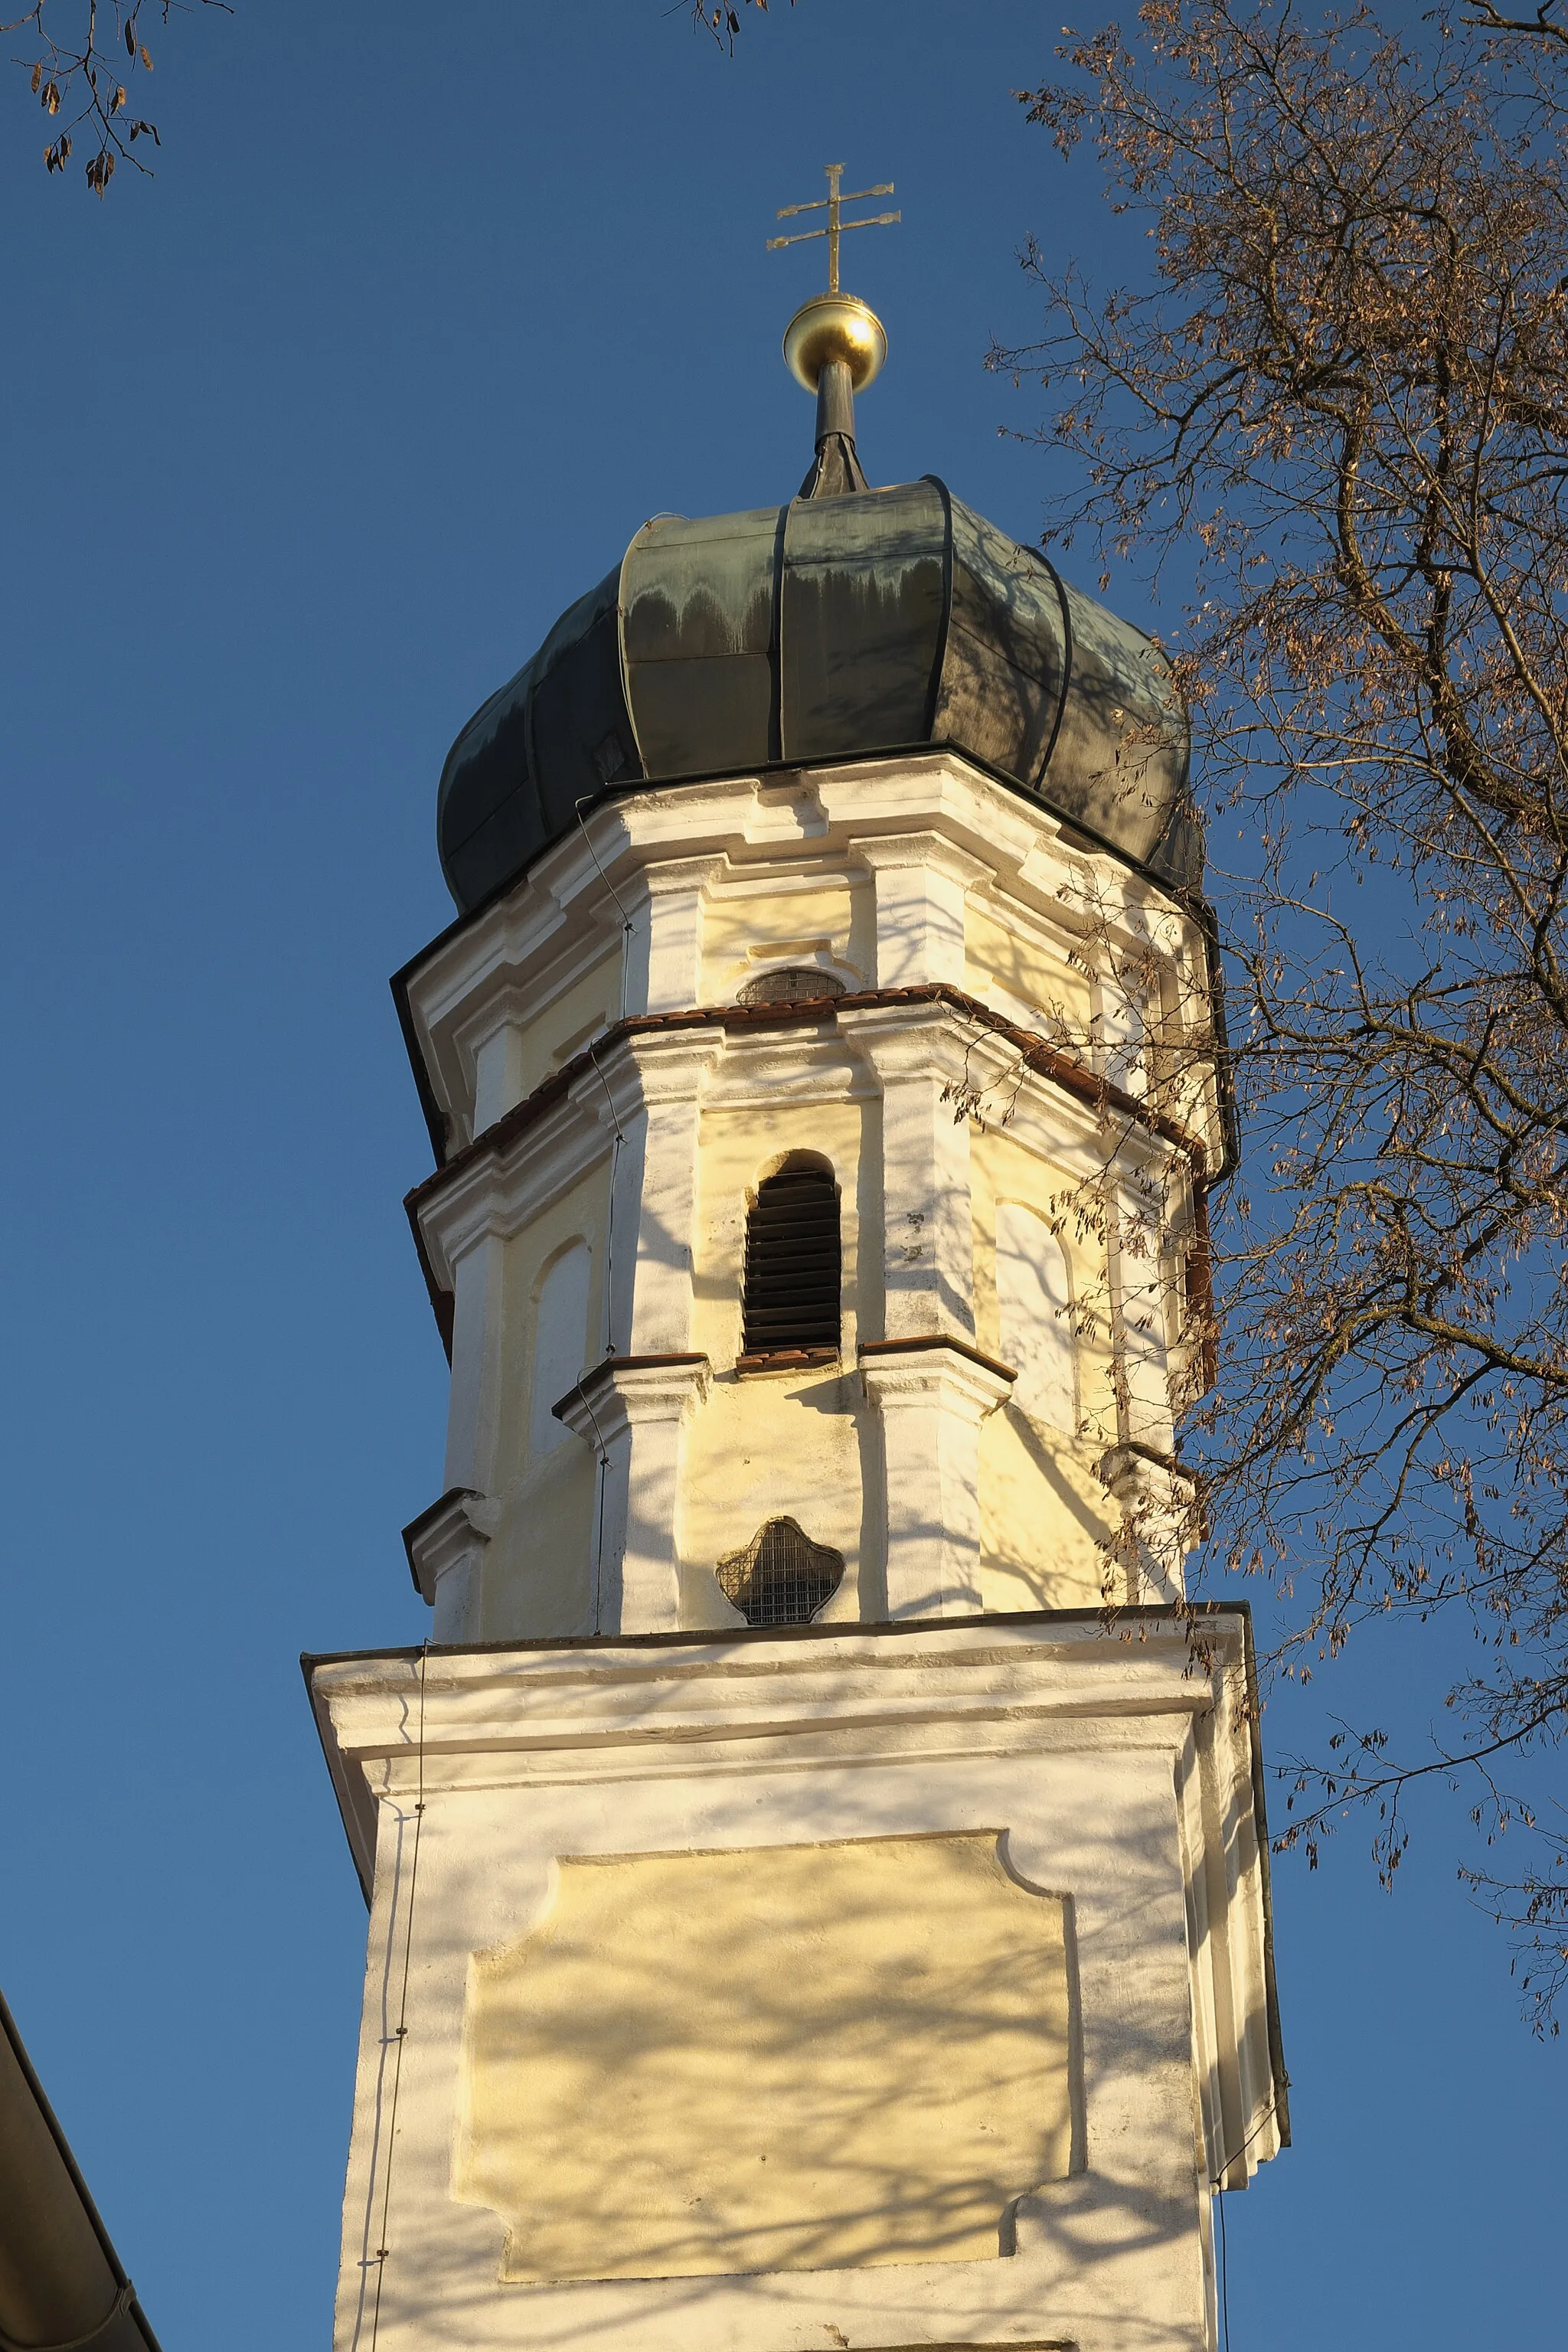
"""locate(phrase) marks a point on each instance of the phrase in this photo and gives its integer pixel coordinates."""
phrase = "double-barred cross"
(836, 227)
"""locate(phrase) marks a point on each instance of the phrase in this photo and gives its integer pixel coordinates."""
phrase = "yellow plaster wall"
(1043, 1515)
(592, 1002)
(776, 922)
(778, 2058)
(1034, 972)
(537, 1569)
(773, 1444)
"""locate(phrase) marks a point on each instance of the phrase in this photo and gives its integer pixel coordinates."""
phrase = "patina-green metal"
(828, 629)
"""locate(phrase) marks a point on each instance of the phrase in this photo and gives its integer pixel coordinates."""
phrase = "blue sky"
(310, 438)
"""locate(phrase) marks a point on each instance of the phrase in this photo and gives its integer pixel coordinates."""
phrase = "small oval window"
(796, 984)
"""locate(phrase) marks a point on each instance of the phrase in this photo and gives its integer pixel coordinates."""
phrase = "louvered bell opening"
(790, 1297)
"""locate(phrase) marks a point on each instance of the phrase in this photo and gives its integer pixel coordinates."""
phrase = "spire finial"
(835, 344)
(836, 227)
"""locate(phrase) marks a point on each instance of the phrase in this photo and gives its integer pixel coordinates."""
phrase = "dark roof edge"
(340, 1787)
(443, 1303)
(126, 2300)
(435, 1116)
(944, 635)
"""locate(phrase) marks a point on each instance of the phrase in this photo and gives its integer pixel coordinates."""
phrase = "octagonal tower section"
(984, 1036)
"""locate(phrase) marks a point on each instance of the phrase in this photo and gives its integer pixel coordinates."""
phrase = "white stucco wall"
(1119, 1781)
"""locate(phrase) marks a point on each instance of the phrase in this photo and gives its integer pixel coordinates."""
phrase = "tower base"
(835, 1987)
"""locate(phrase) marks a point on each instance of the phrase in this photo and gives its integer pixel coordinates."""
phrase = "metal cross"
(832, 201)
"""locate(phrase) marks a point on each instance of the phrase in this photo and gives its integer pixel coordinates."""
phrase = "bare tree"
(83, 60)
(724, 20)
(1542, 26)
(1337, 418)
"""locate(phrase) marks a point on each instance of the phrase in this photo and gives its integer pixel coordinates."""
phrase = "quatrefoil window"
(781, 1577)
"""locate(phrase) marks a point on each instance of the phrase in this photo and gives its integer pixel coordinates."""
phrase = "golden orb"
(834, 327)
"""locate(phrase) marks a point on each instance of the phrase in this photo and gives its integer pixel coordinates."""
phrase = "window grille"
(791, 1291)
(781, 1577)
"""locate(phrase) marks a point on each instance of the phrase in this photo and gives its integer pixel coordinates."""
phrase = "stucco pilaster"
(474, 1413)
(498, 1072)
(931, 1397)
(927, 1254)
(631, 1411)
(653, 1094)
(922, 881)
(1138, 1307)
(1155, 1500)
(664, 951)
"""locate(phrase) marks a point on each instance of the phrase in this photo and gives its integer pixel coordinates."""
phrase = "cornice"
(1046, 1061)
(593, 1067)
(945, 1342)
(742, 824)
(1155, 1655)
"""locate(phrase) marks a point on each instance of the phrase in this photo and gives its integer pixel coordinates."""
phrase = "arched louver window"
(781, 1577)
(791, 1295)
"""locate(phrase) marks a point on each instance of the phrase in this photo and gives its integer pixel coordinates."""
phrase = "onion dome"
(848, 623)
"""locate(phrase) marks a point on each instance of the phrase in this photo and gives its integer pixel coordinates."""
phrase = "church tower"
(816, 1866)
